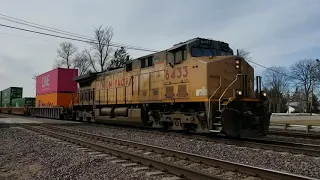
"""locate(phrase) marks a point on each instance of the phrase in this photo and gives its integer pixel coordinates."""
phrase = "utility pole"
(312, 85)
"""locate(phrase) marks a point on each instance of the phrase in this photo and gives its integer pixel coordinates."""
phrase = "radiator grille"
(169, 92)
(182, 91)
(155, 92)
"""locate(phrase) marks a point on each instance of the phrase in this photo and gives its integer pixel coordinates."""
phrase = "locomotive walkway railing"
(227, 89)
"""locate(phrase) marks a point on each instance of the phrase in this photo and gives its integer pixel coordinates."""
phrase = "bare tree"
(34, 77)
(244, 54)
(65, 53)
(305, 74)
(81, 61)
(277, 83)
(101, 47)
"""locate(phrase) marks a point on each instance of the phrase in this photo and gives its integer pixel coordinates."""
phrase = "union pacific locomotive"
(198, 85)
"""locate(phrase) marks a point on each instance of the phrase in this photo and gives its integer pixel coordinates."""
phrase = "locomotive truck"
(198, 85)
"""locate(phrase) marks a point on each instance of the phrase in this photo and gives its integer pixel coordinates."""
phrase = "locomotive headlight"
(237, 66)
(237, 61)
(264, 94)
(239, 92)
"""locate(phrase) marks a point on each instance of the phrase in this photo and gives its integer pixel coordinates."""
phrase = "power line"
(269, 68)
(9, 34)
(9, 17)
(87, 38)
(74, 39)
(39, 26)
(43, 28)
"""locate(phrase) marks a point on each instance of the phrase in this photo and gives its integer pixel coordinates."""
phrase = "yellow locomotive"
(198, 85)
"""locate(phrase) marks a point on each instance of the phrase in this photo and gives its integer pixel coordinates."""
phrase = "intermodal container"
(9, 94)
(59, 80)
(23, 102)
(0, 98)
(54, 100)
(6, 103)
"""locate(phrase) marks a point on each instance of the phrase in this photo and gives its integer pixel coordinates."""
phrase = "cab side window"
(177, 55)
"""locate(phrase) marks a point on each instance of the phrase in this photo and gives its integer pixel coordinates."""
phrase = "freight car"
(54, 93)
(198, 85)
(8, 96)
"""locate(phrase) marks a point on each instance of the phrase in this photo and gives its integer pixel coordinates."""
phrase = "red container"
(59, 80)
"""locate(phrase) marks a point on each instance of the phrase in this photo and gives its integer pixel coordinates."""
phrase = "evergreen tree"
(120, 58)
(277, 101)
(315, 104)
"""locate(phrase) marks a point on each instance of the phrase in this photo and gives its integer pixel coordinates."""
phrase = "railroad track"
(187, 165)
(279, 146)
(295, 134)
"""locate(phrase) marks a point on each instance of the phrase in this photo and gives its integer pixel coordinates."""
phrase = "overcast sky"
(275, 32)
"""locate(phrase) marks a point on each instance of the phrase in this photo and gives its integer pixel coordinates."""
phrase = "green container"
(0, 98)
(9, 94)
(23, 102)
(5, 103)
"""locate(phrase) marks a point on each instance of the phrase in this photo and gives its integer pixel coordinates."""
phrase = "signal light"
(238, 64)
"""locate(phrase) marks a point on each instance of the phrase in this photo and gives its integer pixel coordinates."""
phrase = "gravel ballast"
(286, 162)
(27, 155)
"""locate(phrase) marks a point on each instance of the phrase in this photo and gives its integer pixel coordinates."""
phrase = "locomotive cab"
(225, 83)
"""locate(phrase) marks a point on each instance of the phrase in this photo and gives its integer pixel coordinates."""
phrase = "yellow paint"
(152, 84)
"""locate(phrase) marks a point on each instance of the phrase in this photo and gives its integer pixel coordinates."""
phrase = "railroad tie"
(251, 178)
(171, 178)
(129, 165)
(118, 161)
(154, 173)
(140, 168)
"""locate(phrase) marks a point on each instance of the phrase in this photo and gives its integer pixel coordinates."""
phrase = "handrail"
(227, 89)
(209, 106)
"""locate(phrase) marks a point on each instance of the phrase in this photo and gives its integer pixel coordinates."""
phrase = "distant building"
(295, 107)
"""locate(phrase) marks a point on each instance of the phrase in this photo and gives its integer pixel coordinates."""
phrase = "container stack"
(56, 88)
(9, 94)
(23, 102)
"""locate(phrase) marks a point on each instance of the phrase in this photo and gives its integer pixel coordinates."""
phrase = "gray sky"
(275, 32)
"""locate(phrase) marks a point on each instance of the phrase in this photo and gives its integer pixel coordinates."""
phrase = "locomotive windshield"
(207, 47)
(198, 52)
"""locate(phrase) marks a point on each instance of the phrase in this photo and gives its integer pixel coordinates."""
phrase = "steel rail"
(279, 146)
(295, 134)
(171, 168)
(246, 169)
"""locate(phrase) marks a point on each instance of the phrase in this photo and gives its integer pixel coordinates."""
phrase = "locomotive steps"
(181, 164)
